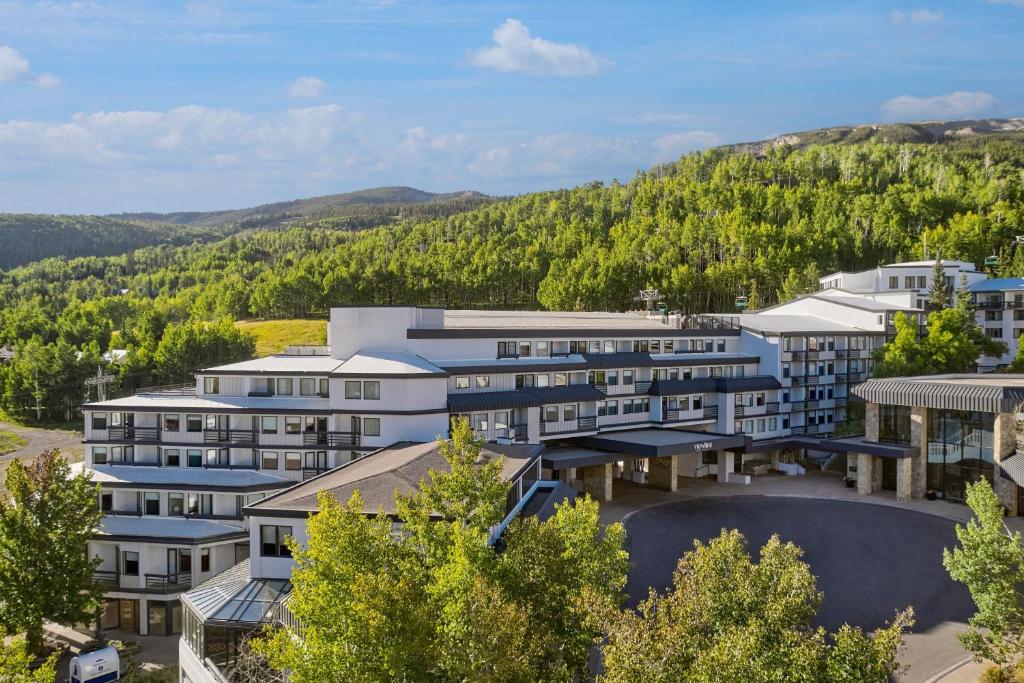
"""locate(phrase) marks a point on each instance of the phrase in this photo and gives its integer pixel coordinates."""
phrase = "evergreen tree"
(964, 300)
(46, 573)
(939, 291)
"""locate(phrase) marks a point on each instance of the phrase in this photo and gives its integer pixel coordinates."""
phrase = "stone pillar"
(663, 473)
(774, 455)
(725, 465)
(904, 479)
(871, 421)
(143, 617)
(1004, 444)
(919, 460)
(597, 481)
(869, 474)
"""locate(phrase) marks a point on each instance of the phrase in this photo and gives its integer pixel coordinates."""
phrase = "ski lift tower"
(650, 297)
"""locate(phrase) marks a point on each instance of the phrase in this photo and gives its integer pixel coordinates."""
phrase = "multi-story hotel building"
(201, 484)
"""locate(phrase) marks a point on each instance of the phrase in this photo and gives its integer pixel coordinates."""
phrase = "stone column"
(1004, 444)
(663, 473)
(597, 481)
(725, 465)
(774, 455)
(143, 617)
(869, 474)
(904, 479)
(919, 460)
(871, 421)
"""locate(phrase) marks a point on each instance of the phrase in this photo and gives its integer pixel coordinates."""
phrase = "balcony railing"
(231, 436)
(641, 387)
(805, 380)
(854, 377)
(109, 579)
(133, 434)
(805, 355)
(168, 583)
(310, 472)
(710, 412)
(331, 439)
(170, 390)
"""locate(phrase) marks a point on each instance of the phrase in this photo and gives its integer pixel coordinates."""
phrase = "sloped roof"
(984, 393)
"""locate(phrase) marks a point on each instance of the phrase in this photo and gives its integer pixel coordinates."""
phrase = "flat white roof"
(161, 402)
(387, 363)
(283, 363)
(462, 319)
(130, 475)
(781, 322)
(166, 529)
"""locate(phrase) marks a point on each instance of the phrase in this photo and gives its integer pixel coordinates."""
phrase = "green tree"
(964, 300)
(16, 662)
(187, 346)
(953, 343)
(46, 573)
(990, 562)
(904, 355)
(46, 381)
(939, 292)
(435, 601)
(729, 618)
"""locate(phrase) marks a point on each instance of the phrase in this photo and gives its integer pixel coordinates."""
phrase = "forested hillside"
(702, 230)
(30, 237)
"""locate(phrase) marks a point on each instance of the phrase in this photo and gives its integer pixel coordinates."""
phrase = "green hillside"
(272, 336)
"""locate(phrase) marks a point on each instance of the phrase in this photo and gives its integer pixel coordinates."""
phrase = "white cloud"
(955, 105)
(306, 87)
(516, 51)
(915, 17)
(672, 146)
(14, 67)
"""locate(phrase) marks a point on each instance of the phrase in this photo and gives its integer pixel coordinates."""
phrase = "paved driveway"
(870, 561)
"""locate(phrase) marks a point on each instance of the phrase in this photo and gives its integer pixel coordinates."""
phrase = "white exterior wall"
(273, 567)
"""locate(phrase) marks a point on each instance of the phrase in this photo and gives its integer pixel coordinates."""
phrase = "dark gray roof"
(993, 393)
(622, 359)
(537, 364)
(379, 475)
(232, 597)
(491, 400)
(656, 443)
(847, 444)
(1013, 468)
(571, 393)
(205, 598)
(701, 385)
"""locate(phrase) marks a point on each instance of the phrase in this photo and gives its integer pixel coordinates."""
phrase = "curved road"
(870, 561)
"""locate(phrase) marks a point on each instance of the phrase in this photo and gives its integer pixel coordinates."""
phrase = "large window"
(894, 424)
(272, 540)
(211, 385)
(959, 451)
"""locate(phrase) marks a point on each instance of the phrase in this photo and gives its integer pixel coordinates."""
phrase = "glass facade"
(894, 424)
(959, 451)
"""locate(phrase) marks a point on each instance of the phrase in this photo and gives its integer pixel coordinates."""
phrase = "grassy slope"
(273, 335)
(10, 441)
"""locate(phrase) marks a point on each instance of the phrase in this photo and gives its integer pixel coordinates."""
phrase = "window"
(669, 346)
(501, 419)
(176, 504)
(507, 349)
(569, 412)
(655, 346)
(371, 426)
(543, 349)
(152, 503)
(612, 378)
(194, 423)
(325, 388)
(211, 385)
(594, 347)
(272, 540)
(353, 389)
(894, 282)
(482, 381)
(543, 379)
(462, 382)
(269, 460)
(129, 563)
(195, 457)
(994, 332)
(894, 424)
(292, 425)
(106, 502)
(609, 346)
(204, 559)
(200, 504)
(785, 369)
(551, 413)
(99, 420)
(284, 386)
(908, 282)
(99, 456)
(524, 349)
(720, 345)
(698, 402)
(172, 423)
(773, 424)
(525, 381)
(268, 424)
(561, 379)
(922, 282)
(292, 461)
(627, 377)
(307, 386)
(371, 390)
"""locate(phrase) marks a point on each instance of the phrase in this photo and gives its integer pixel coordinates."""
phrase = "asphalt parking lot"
(870, 561)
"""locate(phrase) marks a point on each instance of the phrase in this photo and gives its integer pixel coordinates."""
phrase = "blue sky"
(109, 106)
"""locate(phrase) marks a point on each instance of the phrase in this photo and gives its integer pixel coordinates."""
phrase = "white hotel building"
(201, 484)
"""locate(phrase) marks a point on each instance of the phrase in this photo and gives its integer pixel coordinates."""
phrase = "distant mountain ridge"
(921, 132)
(307, 208)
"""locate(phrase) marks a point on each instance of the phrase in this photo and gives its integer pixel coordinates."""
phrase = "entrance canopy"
(847, 444)
(661, 443)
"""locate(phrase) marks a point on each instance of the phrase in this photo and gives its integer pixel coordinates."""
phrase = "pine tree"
(939, 292)
(46, 573)
(964, 300)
